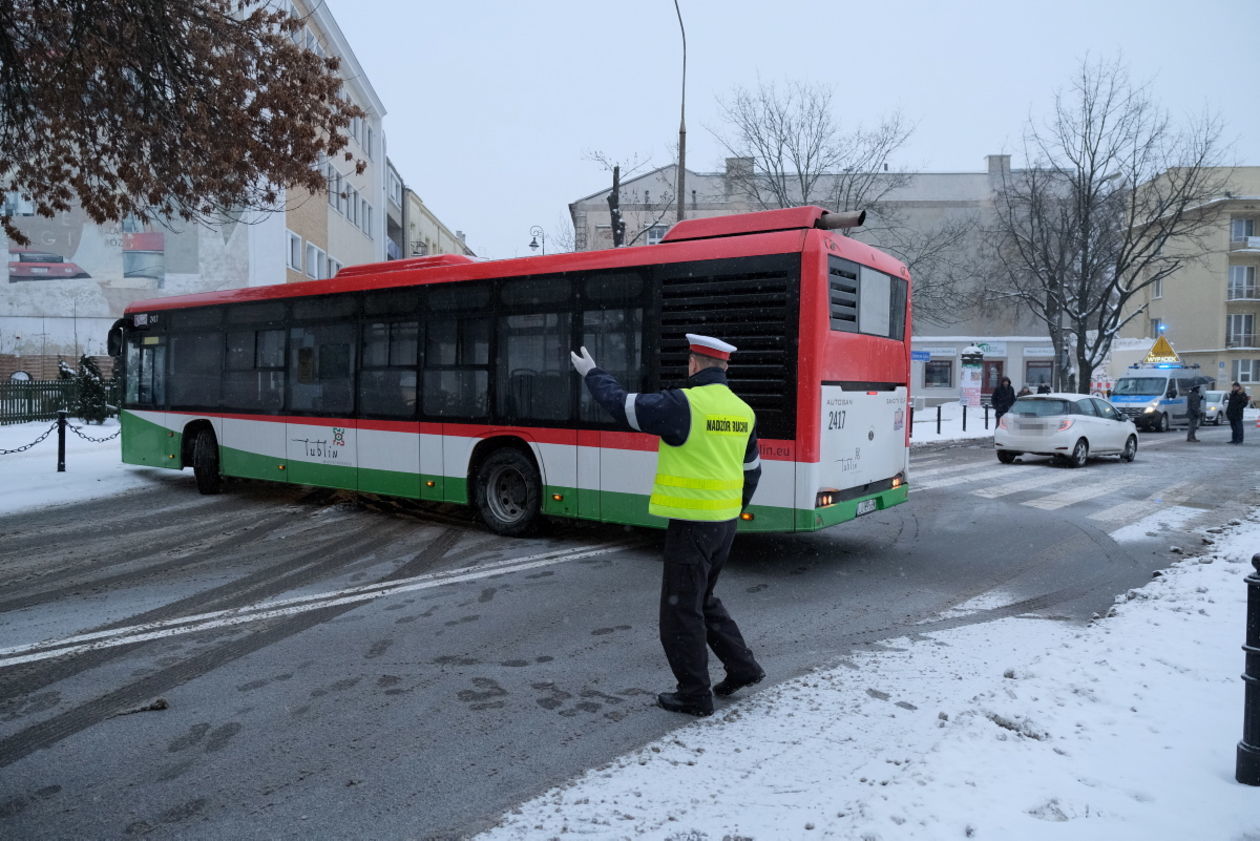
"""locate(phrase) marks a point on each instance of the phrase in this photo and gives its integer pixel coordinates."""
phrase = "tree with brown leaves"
(162, 109)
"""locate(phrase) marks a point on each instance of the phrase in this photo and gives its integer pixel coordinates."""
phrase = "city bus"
(448, 379)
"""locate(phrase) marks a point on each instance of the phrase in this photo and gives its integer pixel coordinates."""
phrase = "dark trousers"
(1236, 428)
(692, 618)
(1193, 417)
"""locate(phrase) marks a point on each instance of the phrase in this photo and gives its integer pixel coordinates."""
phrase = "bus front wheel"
(206, 463)
(508, 493)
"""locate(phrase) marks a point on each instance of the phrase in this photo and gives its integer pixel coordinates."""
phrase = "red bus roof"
(766, 232)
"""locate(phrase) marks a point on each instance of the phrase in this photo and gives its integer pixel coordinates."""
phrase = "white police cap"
(709, 346)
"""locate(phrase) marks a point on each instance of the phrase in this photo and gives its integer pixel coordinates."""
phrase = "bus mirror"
(114, 340)
(848, 219)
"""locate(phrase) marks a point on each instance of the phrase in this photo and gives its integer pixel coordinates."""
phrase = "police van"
(1154, 395)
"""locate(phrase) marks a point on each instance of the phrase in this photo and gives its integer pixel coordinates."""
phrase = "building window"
(1245, 370)
(1157, 288)
(395, 189)
(1241, 229)
(1157, 327)
(295, 252)
(334, 188)
(938, 373)
(370, 137)
(316, 262)
(1239, 330)
(1242, 282)
(365, 218)
(1038, 372)
(656, 233)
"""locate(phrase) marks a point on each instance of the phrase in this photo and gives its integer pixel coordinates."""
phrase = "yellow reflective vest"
(703, 479)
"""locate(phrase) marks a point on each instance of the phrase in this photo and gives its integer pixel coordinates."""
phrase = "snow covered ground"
(1023, 728)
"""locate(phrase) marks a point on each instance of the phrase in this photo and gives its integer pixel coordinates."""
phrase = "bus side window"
(321, 367)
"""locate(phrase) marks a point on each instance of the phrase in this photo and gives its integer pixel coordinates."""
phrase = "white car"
(1069, 427)
(1214, 406)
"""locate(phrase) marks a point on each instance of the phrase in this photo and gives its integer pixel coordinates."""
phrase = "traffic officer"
(707, 470)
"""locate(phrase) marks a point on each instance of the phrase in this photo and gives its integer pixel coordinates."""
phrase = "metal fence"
(41, 399)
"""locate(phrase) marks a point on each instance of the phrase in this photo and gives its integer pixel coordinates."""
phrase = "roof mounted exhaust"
(846, 219)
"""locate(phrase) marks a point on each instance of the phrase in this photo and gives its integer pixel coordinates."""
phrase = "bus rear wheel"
(206, 463)
(508, 493)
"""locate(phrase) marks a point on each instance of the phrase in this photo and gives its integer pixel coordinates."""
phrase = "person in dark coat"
(1043, 387)
(1003, 399)
(1194, 411)
(1238, 400)
(708, 467)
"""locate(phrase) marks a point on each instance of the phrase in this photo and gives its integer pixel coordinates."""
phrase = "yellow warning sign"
(1161, 351)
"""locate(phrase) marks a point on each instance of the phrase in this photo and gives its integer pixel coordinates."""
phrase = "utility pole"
(682, 122)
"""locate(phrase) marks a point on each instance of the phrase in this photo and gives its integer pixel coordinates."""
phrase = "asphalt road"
(280, 663)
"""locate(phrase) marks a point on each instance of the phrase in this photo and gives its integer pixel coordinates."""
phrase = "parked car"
(1214, 406)
(30, 264)
(1068, 427)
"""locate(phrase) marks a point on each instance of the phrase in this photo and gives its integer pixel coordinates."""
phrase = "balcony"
(1246, 245)
(1242, 340)
(1247, 292)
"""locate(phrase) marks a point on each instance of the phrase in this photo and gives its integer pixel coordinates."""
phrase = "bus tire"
(206, 463)
(508, 493)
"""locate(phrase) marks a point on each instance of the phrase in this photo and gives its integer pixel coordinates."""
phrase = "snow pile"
(1021, 728)
(94, 469)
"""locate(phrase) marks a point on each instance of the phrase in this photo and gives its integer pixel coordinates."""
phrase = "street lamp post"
(539, 239)
(682, 121)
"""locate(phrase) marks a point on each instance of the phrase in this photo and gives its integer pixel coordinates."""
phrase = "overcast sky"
(493, 106)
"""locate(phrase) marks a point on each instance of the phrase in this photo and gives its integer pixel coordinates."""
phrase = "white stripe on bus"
(97, 640)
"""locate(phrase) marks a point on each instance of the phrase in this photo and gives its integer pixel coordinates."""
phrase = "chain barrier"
(76, 431)
(47, 432)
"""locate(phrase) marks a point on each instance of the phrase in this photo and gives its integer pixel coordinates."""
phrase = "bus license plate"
(866, 506)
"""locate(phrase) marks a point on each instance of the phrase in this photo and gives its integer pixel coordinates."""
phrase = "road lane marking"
(97, 640)
(1070, 496)
(1042, 478)
(1172, 518)
(971, 477)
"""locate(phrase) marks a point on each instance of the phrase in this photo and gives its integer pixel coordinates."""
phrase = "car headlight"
(1148, 410)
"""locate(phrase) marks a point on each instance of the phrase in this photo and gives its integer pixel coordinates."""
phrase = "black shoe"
(676, 703)
(731, 685)
(1194, 440)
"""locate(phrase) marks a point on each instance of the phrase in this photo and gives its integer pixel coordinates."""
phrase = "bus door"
(145, 436)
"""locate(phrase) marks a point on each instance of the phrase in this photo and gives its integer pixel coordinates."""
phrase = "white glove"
(582, 364)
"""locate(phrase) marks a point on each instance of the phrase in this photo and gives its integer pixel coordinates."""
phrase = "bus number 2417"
(835, 419)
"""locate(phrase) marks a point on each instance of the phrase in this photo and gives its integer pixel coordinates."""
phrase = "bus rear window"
(864, 300)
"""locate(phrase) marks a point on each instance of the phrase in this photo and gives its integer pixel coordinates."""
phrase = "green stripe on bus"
(148, 443)
(842, 512)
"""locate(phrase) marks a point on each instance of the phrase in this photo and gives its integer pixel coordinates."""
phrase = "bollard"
(938, 420)
(910, 428)
(986, 417)
(61, 442)
(964, 417)
(1247, 770)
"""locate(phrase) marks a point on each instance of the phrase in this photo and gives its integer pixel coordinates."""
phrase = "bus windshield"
(1140, 385)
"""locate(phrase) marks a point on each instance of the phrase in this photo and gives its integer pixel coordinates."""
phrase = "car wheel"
(1164, 425)
(206, 463)
(1217, 420)
(1080, 454)
(508, 493)
(1006, 456)
(1130, 449)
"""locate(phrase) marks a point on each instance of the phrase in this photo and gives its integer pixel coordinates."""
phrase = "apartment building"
(1015, 344)
(1210, 308)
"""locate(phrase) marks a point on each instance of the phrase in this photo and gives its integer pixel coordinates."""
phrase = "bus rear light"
(746, 515)
(896, 482)
(825, 499)
(872, 393)
(558, 497)
(430, 484)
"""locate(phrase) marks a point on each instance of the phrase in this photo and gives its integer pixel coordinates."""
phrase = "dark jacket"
(668, 414)
(1003, 399)
(1194, 402)
(1238, 401)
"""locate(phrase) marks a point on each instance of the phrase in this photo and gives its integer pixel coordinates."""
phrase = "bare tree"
(942, 262)
(1111, 204)
(162, 109)
(799, 153)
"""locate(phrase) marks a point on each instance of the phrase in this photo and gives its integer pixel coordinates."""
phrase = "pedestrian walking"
(1194, 411)
(1023, 392)
(1003, 399)
(707, 470)
(1043, 387)
(1238, 400)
